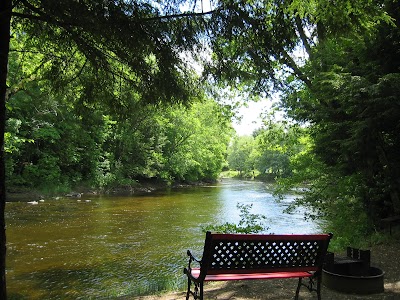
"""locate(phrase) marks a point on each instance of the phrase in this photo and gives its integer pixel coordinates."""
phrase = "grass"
(163, 285)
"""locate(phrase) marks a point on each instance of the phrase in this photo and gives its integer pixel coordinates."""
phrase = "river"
(106, 247)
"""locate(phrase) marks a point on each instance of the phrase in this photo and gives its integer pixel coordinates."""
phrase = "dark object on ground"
(353, 273)
(390, 222)
(259, 256)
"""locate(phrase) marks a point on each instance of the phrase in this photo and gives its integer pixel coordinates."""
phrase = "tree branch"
(42, 16)
(177, 16)
(292, 64)
(302, 34)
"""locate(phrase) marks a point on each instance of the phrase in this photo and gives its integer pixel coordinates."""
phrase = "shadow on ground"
(383, 256)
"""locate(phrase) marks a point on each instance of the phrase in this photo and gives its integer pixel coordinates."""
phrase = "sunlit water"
(106, 247)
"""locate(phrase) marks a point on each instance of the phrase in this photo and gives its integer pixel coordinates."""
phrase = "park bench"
(258, 256)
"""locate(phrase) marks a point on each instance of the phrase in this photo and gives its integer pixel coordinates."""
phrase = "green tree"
(278, 143)
(106, 143)
(352, 107)
(249, 223)
(5, 13)
(135, 42)
(239, 154)
(114, 146)
(197, 140)
(340, 87)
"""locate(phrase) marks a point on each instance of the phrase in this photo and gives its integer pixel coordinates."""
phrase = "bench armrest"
(192, 258)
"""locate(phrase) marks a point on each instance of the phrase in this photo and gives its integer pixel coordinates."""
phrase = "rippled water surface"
(105, 247)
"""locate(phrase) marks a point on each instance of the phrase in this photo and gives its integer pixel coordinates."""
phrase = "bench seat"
(251, 276)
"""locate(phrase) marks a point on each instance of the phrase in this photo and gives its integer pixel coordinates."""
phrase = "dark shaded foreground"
(385, 257)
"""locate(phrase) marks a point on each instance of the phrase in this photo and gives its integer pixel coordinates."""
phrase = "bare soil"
(385, 257)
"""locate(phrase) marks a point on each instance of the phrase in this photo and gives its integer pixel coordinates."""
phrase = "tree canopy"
(87, 56)
(336, 66)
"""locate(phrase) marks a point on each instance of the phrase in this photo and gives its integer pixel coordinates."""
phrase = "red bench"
(258, 256)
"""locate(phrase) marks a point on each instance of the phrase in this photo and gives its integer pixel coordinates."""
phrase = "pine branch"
(292, 64)
(302, 34)
(42, 16)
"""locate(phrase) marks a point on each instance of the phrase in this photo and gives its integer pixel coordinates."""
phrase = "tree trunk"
(389, 173)
(5, 18)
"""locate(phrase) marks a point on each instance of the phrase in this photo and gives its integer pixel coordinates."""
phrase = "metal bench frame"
(258, 256)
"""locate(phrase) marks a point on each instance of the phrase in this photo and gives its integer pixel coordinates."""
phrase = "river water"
(108, 247)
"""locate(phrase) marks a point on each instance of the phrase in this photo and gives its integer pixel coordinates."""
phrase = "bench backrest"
(255, 253)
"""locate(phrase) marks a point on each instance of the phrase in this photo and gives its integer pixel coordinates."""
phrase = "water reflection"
(113, 246)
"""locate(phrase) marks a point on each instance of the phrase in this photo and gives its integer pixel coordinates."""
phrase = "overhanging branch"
(44, 17)
(302, 34)
(183, 15)
(292, 64)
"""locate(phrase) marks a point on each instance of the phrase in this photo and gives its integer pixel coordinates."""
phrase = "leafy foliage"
(107, 149)
(113, 41)
(104, 57)
(270, 151)
(239, 154)
(355, 125)
(337, 68)
(82, 109)
(249, 223)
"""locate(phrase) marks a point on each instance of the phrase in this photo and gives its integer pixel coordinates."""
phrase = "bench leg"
(201, 290)
(310, 286)
(319, 288)
(188, 289)
(198, 290)
(296, 297)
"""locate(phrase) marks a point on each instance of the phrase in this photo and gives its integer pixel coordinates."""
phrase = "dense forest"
(69, 124)
(58, 141)
(108, 93)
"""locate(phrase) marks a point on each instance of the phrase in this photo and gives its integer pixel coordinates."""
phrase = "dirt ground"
(385, 257)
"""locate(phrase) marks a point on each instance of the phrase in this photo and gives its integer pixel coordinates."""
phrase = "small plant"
(249, 223)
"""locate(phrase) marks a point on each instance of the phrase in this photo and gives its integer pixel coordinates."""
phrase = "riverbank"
(384, 256)
(140, 188)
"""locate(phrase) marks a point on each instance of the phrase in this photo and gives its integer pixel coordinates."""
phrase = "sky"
(250, 117)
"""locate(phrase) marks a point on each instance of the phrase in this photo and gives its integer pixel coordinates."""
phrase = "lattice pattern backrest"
(262, 254)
